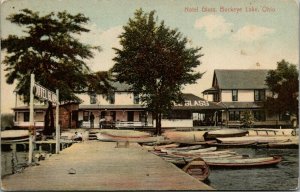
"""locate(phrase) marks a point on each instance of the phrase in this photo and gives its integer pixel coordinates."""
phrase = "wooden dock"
(94, 165)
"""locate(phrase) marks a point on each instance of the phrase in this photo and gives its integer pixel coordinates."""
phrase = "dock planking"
(102, 166)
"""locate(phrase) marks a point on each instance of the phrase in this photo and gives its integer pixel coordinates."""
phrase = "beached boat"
(253, 139)
(135, 139)
(244, 162)
(15, 135)
(185, 136)
(125, 133)
(225, 133)
(198, 169)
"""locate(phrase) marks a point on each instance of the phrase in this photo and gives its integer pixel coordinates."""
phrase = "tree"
(50, 51)
(156, 61)
(283, 83)
(247, 119)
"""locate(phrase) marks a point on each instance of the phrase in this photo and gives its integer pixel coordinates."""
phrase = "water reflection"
(283, 176)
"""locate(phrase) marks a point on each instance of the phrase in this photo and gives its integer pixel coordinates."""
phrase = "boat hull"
(245, 163)
(226, 133)
(198, 169)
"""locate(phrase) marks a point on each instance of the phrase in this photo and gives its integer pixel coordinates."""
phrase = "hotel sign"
(194, 103)
(43, 93)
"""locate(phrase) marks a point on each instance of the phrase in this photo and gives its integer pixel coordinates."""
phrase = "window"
(26, 116)
(216, 97)
(234, 95)
(111, 98)
(284, 117)
(259, 115)
(93, 98)
(234, 115)
(85, 116)
(259, 95)
(136, 98)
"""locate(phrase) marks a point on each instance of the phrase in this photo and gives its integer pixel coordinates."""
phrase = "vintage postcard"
(110, 95)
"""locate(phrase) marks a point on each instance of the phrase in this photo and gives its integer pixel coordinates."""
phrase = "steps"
(92, 135)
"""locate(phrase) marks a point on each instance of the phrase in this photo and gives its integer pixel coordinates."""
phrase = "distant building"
(241, 90)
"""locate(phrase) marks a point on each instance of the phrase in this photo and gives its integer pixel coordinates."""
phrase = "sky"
(233, 34)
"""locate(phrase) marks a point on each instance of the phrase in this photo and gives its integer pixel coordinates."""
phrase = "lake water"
(284, 176)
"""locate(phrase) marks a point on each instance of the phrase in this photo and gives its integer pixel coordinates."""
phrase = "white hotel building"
(232, 92)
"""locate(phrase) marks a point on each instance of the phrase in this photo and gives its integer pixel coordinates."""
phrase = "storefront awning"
(194, 103)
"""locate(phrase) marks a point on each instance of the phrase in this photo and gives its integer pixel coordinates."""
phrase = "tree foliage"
(283, 83)
(247, 119)
(156, 61)
(50, 50)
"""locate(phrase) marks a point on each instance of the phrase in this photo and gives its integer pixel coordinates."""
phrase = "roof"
(242, 105)
(210, 90)
(241, 79)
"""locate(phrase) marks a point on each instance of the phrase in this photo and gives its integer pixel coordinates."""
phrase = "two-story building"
(243, 90)
(122, 108)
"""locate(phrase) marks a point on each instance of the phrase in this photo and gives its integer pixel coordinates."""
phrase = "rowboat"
(198, 169)
(202, 150)
(225, 133)
(15, 135)
(204, 154)
(169, 146)
(160, 147)
(194, 147)
(143, 139)
(179, 160)
(185, 136)
(125, 133)
(244, 162)
(253, 139)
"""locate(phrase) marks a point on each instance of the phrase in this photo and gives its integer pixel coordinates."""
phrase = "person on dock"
(77, 137)
(92, 117)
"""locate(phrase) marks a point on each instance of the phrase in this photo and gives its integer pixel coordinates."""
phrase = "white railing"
(27, 124)
(176, 123)
(120, 124)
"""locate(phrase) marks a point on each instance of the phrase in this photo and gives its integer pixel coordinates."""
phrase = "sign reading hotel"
(43, 93)
(194, 103)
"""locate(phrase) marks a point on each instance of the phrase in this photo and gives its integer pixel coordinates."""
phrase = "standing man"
(92, 117)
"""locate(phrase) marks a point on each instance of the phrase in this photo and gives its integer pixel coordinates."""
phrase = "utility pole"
(31, 120)
(57, 127)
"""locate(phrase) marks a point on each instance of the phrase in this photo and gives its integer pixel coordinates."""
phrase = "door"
(130, 115)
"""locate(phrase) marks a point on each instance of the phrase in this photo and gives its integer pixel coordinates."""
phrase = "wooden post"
(57, 145)
(31, 120)
(14, 157)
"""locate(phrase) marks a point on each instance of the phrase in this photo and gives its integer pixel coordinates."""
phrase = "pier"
(93, 165)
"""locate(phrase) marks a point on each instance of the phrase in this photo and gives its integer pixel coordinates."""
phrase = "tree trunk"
(49, 129)
(158, 123)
